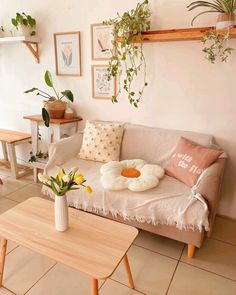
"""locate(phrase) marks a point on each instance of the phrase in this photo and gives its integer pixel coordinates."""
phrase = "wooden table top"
(93, 245)
(38, 118)
(11, 136)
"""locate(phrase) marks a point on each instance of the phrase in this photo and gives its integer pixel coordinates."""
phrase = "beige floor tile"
(151, 271)
(61, 280)
(4, 291)
(194, 281)
(24, 268)
(112, 287)
(159, 244)
(5, 171)
(215, 256)
(11, 246)
(224, 230)
(11, 185)
(6, 204)
(25, 193)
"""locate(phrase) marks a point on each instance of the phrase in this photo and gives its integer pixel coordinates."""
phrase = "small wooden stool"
(9, 140)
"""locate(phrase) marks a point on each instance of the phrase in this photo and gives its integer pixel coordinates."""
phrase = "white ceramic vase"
(61, 213)
(24, 31)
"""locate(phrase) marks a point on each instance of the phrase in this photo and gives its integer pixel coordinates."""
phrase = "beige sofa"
(154, 145)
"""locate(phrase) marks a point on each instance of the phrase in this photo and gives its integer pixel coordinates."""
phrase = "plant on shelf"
(39, 156)
(54, 107)
(24, 22)
(225, 8)
(128, 57)
(216, 46)
(2, 31)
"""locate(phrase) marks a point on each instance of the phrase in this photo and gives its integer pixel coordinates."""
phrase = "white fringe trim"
(141, 219)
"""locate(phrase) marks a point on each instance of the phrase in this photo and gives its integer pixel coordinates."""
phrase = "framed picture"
(67, 54)
(101, 87)
(101, 36)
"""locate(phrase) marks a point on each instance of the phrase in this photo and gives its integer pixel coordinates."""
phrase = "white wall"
(185, 91)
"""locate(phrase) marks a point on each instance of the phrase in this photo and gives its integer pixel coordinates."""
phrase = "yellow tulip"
(77, 174)
(60, 175)
(88, 189)
(80, 179)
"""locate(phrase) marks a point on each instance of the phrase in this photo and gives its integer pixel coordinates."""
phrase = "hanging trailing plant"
(128, 60)
(216, 47)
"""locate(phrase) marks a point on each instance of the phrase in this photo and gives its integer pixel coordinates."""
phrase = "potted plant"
(54, 106)
(60, 185)
(2, 31)
(25, 24)
(129, 55)
(225, 9)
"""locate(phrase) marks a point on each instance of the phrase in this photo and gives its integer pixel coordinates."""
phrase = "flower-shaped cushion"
(136, 175)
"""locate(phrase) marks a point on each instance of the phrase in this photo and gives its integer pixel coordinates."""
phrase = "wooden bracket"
(34, 49)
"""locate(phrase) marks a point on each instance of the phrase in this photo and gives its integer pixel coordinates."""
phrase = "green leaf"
(68, 94)
(46, 117)
(31, 90)
(48, 79)
(14, 22)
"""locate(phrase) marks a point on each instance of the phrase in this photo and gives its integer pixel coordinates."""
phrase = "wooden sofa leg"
(191, 251)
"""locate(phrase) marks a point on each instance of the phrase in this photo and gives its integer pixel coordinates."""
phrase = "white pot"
(225, 21)
(24, 30)
(61, 213)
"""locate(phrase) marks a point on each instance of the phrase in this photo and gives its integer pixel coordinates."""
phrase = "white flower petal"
(154, 170)
(110, 167)
(112, 182)
(143, 183)
(137, 163)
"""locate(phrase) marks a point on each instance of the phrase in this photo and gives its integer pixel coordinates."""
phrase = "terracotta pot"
(56, 108)
(225, 21)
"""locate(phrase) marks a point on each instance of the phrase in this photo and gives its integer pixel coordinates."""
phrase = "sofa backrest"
(156, 145)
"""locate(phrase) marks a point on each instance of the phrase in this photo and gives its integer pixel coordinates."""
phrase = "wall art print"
(67, 54)
(101, 87)
(101, 36)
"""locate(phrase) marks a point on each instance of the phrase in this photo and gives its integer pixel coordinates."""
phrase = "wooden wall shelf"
(187, 34)
(30, 42)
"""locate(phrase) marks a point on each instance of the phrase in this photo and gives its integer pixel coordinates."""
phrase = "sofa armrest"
(209, 187)
(64, 150)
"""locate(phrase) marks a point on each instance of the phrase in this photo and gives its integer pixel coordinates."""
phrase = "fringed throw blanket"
(171, 203)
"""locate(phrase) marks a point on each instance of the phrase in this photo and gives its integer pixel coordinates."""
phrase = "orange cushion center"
(130, 173)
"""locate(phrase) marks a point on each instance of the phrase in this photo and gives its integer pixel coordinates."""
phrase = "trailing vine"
(216, 46)
(127, 57)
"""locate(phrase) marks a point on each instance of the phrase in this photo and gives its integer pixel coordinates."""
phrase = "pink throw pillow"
(190, 160)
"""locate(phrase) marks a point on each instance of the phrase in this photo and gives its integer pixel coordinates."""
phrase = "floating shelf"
(30, 42)
(187, 34)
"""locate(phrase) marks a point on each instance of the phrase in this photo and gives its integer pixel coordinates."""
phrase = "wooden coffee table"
(92, 245)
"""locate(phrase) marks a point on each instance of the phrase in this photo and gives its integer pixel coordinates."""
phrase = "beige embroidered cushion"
(101, 141)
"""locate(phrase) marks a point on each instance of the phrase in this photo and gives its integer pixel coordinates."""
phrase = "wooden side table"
(57, 129)
(9, 140)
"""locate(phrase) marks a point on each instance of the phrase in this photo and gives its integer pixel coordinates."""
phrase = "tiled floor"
(159, 265)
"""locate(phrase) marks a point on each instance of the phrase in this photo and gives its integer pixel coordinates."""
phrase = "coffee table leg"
(3, 249)
(127, 267)
(94, 286)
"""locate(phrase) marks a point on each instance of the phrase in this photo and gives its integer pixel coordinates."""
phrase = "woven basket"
(56, 109)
